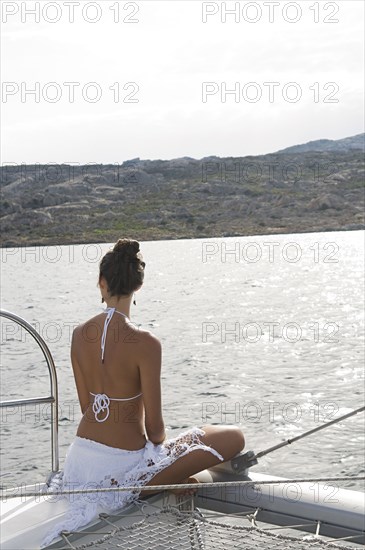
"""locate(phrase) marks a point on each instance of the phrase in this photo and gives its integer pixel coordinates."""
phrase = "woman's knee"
(228, 440)
(238, 439)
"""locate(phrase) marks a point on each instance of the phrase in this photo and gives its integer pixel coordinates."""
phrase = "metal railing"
(53, 398)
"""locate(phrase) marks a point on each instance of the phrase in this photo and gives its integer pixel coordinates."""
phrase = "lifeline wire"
(213, 484)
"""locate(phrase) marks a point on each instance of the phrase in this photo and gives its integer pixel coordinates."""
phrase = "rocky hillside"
(338, 145)
(283, 192)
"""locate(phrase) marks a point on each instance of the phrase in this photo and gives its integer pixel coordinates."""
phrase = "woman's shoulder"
(143, 336)
(88, 325)
(149, 350)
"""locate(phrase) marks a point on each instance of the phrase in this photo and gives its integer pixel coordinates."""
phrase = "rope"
(309, 432)
(182, 486)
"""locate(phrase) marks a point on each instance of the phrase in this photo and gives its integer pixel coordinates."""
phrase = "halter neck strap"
(109, 314)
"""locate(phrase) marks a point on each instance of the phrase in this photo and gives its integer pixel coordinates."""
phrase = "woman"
(121, 439)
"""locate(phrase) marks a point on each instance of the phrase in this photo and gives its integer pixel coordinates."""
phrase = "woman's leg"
(226, 440)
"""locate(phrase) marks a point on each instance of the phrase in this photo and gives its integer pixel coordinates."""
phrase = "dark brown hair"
(123, 268)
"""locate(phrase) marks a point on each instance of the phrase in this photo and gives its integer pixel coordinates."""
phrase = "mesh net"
(170, 529)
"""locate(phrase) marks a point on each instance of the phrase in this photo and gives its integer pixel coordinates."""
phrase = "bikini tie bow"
(101, 404)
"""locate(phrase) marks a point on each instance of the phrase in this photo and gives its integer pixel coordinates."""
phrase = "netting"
(170, 529)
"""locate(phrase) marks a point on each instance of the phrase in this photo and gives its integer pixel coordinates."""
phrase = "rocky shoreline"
(286, 192)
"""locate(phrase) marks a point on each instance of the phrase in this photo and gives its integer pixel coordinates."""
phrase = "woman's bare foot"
(186, 492)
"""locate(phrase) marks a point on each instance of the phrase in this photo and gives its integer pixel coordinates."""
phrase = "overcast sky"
(162, 70)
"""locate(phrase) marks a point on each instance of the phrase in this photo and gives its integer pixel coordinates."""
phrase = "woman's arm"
(150, 372)
(82, 392)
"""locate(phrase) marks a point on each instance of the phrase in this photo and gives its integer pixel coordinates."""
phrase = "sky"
(104, 82)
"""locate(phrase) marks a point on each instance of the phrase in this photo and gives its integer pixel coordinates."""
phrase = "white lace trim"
(153, 459)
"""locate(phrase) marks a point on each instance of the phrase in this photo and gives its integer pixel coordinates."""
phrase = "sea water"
(264, 332)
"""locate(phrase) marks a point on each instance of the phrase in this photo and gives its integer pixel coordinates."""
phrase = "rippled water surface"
(264, 332)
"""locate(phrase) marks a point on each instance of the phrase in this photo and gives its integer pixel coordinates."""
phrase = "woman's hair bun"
(126, 247)
(123, 268)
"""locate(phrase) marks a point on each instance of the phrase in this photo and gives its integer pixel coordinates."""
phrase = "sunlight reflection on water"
(274, 346)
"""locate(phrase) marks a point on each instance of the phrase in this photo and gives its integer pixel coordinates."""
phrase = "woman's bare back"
(111, 378)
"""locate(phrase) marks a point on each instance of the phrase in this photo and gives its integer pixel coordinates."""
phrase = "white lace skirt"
(92, 465)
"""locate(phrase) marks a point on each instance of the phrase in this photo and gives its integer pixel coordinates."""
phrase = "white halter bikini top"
(101, 400)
